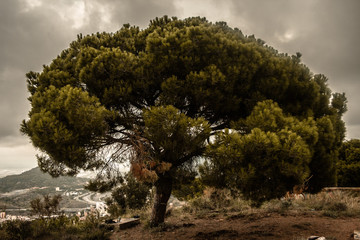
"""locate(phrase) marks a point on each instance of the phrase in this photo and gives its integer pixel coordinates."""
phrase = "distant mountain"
(36, 178)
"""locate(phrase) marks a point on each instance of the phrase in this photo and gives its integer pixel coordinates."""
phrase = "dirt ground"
(290, 226)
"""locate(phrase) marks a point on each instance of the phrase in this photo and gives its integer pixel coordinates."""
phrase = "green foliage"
(136, 193)
(265, 163)
(132, 194)
(60, 228)
(16, 230)
(114, 209)
(189, 190)
(62, 123)
(348, 167)
(273, 150)
(173, 134)
(47, 207)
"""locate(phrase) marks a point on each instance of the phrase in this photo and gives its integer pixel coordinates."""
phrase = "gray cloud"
(140, 12)
(28, 39)
(325, 32)
(33, 32)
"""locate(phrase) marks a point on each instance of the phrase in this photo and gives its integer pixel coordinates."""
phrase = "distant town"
(16, 192)
(95, 202)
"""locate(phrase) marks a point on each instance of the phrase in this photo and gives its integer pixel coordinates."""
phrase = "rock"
(128, 223)
(109, 221)
(356, 234)
(316, 238)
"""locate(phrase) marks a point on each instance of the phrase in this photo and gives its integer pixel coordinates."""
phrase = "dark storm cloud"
(27, 40)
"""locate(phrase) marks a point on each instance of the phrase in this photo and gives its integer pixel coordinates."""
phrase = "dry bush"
(334, 204)
(217, 200)
(333, 201)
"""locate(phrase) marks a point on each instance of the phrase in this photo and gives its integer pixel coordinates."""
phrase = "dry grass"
(215, 202)
(332, 204)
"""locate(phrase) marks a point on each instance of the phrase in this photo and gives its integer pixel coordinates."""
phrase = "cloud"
(17, 157)
(138, 12)
(325, 32)
(28, 41)
(33, 32)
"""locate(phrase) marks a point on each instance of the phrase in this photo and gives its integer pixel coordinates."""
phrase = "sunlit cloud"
(75, 13)
(286, 37)
(31, 4)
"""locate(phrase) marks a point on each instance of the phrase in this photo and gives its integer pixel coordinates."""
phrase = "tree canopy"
(266, 162)
(349, 164)
(153, 97)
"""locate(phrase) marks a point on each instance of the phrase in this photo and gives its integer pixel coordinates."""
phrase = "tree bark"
(163, 187)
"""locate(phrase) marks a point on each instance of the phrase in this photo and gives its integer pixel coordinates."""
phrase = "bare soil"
(288, 225)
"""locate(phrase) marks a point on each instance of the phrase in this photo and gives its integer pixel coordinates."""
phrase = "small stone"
(128, 223)
(316, 238)
(357, 234)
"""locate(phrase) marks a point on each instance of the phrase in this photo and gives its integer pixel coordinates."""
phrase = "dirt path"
(251, 227)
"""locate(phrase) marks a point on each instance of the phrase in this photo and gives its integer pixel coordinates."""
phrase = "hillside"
(16, 191)
(36, 178)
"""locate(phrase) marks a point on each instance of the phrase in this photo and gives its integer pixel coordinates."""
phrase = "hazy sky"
(33, 32)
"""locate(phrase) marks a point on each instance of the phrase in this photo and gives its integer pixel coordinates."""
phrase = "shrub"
(61, 228)
(46, 207)
(190, 190)
(17, 229)
(132, 194)
(218, 200)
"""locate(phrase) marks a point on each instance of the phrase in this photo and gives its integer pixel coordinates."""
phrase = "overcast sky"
(33, 32)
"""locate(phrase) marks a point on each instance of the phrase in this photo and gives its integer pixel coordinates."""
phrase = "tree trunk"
(162, 194)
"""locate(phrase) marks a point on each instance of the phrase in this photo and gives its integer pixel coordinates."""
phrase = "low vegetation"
(229, 205)
(131, 195)
(212, 204)
(223, 214)
(333, 204)
(60, 228)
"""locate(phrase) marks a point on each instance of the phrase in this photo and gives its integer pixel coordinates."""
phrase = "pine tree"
(154, 96)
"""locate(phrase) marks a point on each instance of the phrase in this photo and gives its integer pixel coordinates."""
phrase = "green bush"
(60, 228)
(188, 191)
(348, 166)
(132, 194)
(17, 229)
